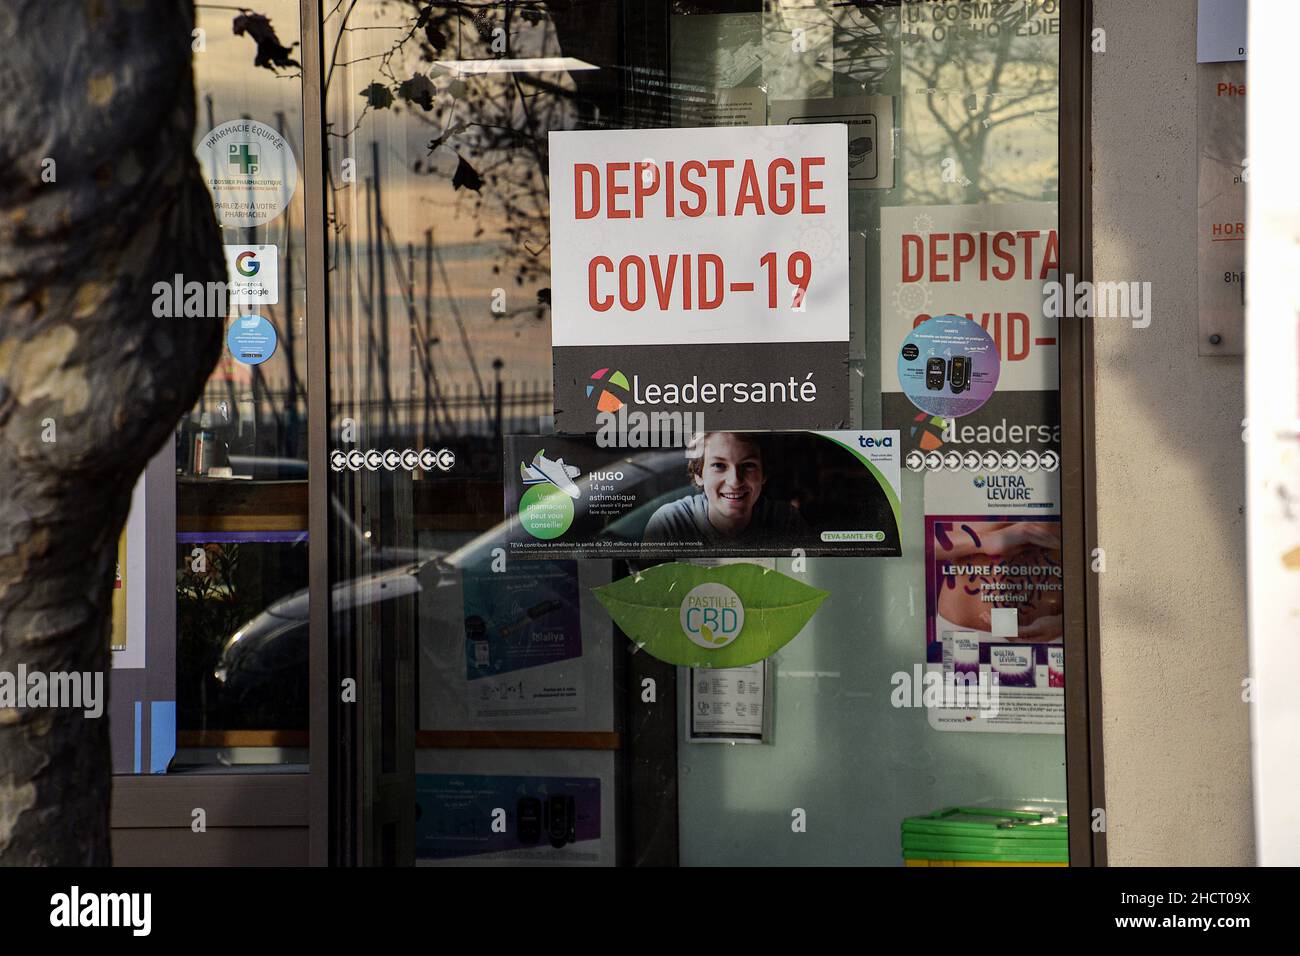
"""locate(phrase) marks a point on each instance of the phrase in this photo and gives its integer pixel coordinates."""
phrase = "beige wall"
(1170, 472)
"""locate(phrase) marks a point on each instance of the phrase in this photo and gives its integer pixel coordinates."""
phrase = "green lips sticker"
(725, 616)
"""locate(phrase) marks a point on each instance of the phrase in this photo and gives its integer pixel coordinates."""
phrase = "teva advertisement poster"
(701, 271)
(985, 263)
(727, 494)
(994, 598)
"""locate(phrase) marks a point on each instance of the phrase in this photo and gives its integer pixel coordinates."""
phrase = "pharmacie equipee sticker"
(251, 339)
(250, 170)
(948, 366)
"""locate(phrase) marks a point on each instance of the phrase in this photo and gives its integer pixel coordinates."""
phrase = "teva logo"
(242, 158)
(712, 615)
(608, 401)
(865, 442)
(246, 264)
(74, 908)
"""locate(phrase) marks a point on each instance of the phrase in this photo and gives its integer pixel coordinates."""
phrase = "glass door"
(530, 221)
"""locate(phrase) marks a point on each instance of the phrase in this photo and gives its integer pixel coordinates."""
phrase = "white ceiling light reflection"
(537, 64)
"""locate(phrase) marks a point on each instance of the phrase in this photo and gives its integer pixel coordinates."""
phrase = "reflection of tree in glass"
(488, 132)
(981, 93)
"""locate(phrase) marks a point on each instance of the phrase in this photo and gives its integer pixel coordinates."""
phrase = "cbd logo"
(712, 615)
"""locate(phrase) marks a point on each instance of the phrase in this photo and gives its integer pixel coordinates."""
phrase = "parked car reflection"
(269, 653)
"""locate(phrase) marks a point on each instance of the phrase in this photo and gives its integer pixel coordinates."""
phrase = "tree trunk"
(91, 383)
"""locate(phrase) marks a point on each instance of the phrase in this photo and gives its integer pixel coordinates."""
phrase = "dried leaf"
(418, 89)
(378, 96)
(271, 53)
(466, 176)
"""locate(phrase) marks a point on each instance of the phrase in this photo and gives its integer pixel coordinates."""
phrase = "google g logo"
(712, 615)
(246, 268)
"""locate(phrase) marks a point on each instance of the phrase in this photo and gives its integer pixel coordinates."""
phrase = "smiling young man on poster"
(728, 468)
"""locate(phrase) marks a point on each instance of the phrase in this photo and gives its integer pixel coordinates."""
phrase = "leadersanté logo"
(928, 431)
(695, 392)
(608, 401)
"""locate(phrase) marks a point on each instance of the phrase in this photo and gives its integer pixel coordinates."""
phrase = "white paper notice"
(688, 236)
(727, 703)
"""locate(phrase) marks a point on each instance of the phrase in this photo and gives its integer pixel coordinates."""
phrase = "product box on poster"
(515, 807)
(699, 271)
(727, 494)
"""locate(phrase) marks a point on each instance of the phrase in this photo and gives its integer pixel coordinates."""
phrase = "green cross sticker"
(243, 159)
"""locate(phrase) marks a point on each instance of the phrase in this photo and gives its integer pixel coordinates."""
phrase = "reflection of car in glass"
(266, 657)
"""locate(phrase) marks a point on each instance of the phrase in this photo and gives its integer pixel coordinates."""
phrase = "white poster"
(1220, 30)
(728, 704)
(987, 263)
(253, 274)
(994, 613)
(701, 258)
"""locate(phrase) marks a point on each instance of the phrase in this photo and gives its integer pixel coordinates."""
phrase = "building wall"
(1170, 472)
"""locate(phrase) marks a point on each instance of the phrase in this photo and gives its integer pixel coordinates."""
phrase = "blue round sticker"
(948, 366)
(251, 339)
